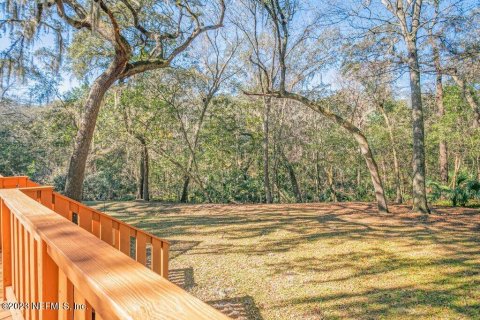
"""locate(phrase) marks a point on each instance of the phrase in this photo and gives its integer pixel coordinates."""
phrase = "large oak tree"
(132, 37)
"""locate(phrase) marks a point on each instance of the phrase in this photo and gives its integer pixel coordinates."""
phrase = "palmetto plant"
(463, 190)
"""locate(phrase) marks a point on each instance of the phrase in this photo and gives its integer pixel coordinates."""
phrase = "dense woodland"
(244, 101)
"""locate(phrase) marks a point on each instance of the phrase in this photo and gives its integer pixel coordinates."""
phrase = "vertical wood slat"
(6, 246)
(33, 276)
(46, 197)
(48, 282)
(164, 255)
(85, 218)
(116, 235)
(65, 295)
(160, 257)
(15, 255)
(106, 232)
(89, 315)
(81, 314)
(26, 275)
(141, 248)
(21, 265)
(62, 206)
(96, 225)
(124, 232)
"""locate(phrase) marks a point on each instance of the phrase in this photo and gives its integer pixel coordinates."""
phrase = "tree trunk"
(142, 175)
(419, 190)
(186, 182)
(359, 178)
(317, 177)
(456, 168)
(331, 183)
(396, 166)
(478, 168)
(83, 140)
(384, 174)
(294, 181)
(442, 147)
(361, 140)
(146, 182)
(266, 172)
(193, 148)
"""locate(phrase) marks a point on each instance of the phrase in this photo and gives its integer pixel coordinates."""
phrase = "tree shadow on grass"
(453, 268)
(403, 302)
(182, 277)
(239, 308)
(179, 247)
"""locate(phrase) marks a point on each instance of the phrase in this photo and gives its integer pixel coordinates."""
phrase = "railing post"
(6, 246)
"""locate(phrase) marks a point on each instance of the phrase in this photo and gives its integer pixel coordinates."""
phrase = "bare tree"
(280, 14)
(407, 18)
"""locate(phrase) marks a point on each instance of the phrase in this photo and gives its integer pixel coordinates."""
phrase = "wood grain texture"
(116, 286)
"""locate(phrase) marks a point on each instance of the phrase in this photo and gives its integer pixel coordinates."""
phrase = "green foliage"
(463, 190)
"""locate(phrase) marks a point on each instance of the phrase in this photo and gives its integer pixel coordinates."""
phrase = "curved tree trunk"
(83, 140)
(359, 137)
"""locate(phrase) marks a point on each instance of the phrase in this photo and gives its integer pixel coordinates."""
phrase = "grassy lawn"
(320, 261)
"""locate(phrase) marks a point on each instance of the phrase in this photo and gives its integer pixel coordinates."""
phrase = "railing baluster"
(62, 206)
(116, 235)
(124, 239)
(85, 218)
(26, 267)
(65, 295)
(33, 275)
(46, 197)
(6, 246)
(48, 282)
(96, 225)
(21, 264)
(15, 256)
(81, 314)
(141, 248)
(106, 230)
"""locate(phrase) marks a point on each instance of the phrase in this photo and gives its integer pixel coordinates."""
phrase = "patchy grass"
(320, 261)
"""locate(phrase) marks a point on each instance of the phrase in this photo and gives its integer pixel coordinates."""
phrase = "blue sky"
(68, 80)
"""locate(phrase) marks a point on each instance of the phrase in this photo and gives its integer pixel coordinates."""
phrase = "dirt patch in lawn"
(320, 261)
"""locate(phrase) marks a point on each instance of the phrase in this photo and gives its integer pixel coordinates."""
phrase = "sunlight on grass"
(319, 261)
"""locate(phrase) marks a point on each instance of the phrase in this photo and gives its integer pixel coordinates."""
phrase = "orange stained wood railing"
(142, 246)
(56, 269)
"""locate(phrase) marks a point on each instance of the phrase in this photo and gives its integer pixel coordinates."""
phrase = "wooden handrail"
(144, 247)
(48, 259)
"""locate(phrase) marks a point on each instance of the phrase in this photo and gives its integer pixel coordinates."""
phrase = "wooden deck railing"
(149, 250)
(50, 263)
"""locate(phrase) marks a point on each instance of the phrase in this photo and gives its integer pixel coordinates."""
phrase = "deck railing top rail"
(116, 286)
(147, 249)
